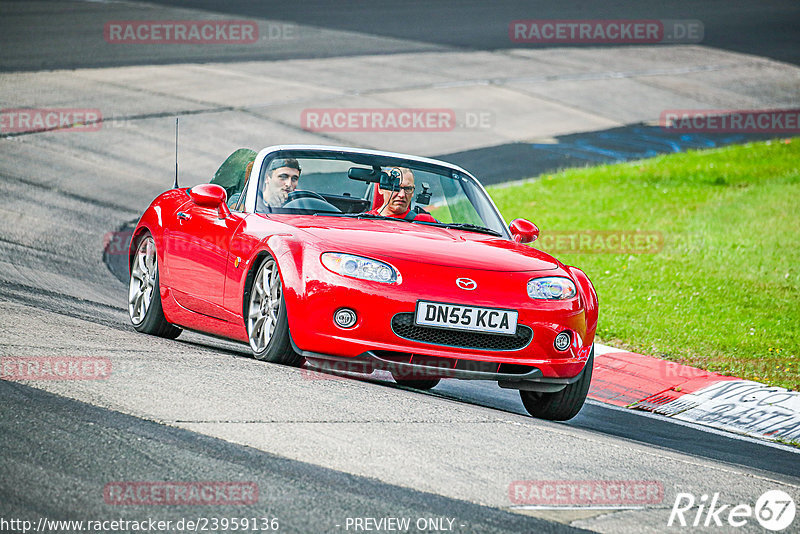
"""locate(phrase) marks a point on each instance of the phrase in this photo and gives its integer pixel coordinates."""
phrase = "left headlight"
(551, 288)
(360, 267)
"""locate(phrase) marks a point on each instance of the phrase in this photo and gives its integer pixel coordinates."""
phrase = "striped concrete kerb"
(685, 393)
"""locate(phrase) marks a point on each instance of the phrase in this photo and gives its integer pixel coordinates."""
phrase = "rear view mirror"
(523, 231)
(387, 182)
(371, 176)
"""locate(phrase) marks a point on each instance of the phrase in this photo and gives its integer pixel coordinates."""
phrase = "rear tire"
(561, 405)
(144, 294)
(266, 318)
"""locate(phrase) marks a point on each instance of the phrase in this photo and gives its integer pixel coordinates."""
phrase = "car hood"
(425, 243)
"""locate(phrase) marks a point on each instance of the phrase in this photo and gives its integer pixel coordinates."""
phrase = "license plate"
(472, 318)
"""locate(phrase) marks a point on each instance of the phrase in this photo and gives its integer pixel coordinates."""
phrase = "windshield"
(348, 185)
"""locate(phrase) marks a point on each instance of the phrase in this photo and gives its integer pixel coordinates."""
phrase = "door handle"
(184, 216)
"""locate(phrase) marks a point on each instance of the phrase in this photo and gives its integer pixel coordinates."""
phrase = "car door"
(197, 255)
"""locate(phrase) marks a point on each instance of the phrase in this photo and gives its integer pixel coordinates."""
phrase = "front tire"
(144, 294)
(561, 405)
(267, 320)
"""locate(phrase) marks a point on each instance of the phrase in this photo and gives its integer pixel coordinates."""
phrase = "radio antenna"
(176, 154)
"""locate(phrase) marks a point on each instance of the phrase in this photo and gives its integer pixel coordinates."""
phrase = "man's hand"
(277, 198)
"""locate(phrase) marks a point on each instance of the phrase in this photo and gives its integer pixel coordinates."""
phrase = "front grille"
(403, 325)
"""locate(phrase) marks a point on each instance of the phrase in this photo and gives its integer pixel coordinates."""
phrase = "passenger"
(397, 204)
(283, 175)
(233, 173)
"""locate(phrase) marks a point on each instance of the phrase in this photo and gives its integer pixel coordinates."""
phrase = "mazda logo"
(466, 283)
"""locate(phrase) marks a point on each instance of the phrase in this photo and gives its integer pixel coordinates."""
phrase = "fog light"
(562, 341)
(345, 317)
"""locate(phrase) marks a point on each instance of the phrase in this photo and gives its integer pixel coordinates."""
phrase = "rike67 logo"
(774, 510)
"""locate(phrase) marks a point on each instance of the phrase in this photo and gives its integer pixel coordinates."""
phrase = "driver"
(283, 175)
(397, 204)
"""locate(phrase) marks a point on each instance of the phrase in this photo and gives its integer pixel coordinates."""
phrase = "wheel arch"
(589, 300)
(155, 218)
(281, 250)
(255, 263)
(138, 232)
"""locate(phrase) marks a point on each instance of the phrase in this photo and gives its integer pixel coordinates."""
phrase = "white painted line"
(605, 349)
(603, 507)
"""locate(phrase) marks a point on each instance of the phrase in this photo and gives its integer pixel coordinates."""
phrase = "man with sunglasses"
(397, 204)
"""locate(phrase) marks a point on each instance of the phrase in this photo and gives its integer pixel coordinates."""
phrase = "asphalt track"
(32, 33)
(518, 161)
(87, 447)
(320, 448)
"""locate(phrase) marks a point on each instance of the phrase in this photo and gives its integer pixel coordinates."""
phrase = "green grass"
(723, 292)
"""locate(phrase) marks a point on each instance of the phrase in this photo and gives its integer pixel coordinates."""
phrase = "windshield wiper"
(468, 227)
(457, 226)
(369, 216)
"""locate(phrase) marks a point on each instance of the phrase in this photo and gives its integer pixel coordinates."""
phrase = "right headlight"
(360, 267)
(551, 288)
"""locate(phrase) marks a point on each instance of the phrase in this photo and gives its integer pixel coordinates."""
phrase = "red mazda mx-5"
(355, 259)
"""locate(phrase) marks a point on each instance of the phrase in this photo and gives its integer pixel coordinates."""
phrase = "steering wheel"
(304, 193)
(309, 200)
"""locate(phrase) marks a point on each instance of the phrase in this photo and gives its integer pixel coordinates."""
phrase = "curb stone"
(686, 393)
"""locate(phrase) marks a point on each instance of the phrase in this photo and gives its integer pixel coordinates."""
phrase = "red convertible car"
(358, 259)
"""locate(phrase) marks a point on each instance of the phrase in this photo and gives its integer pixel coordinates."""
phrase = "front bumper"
(376, 333)
(410, 366)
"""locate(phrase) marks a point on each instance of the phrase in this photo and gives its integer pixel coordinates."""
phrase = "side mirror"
(523, 231)
(210, 196)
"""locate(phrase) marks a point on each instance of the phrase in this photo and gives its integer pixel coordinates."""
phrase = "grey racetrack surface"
(33, 33)
(66, 452)
(320, 447)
